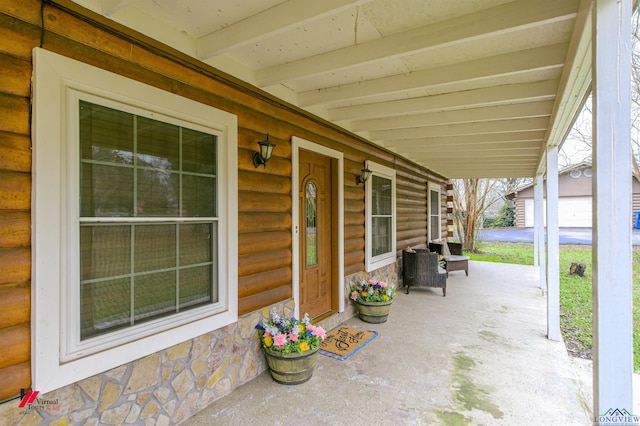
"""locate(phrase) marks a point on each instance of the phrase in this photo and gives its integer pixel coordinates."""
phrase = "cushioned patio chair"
(452, 254)
(420, 268)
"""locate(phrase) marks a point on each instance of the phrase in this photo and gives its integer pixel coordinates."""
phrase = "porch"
(479, 355)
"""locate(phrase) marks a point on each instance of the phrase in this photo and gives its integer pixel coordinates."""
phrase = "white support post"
(612, 282)
(553, 247)
(538, 231)
(536, 226)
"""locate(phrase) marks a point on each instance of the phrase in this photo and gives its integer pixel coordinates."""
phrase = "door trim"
(297, 144)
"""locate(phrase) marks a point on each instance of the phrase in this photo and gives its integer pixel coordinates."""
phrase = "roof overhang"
(467, 89)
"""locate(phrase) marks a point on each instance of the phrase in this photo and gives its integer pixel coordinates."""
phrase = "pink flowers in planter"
(281, 339)
(289, 335)
(372, 291)
(316, 331)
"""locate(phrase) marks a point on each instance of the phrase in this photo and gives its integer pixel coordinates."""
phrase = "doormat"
(343, 341)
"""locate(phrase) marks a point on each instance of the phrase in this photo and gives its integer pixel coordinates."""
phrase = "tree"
(471, 197)
(471, 200)
(579, 139)
(506, 216)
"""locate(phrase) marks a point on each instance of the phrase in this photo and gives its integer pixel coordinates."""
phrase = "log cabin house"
(139, 242)
(253, 223)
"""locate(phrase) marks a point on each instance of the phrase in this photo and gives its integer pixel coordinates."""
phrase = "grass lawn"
(575, 291)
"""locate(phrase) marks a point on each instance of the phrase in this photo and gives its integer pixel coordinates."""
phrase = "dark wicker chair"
(454, 260)
(421, 269)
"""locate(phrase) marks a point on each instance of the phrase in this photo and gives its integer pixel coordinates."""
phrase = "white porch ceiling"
(466, 88)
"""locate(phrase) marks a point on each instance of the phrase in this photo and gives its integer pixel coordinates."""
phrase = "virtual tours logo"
(29, 400)
(617, 416)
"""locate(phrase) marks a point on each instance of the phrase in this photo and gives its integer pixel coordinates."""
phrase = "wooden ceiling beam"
(515, 150)
(495, 147)
(486, 127)
(267, 23)
(476, 170)
(501, 19)
(491, 173)
(467, 155)
(524, 61)
(109, 7)
(467, 115)
(487, 96)
(470, 140)
(493, 161)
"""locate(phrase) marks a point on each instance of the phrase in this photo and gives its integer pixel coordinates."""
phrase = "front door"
(315, 207)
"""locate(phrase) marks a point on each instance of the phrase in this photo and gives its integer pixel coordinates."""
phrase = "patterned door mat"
(344, 341)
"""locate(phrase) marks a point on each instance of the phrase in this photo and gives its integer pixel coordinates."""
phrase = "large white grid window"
(380, 217)
(135, 220)
(434, 212)
(148, 218)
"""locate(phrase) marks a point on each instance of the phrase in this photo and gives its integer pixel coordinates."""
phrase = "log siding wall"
(15, 200)
(264, 196)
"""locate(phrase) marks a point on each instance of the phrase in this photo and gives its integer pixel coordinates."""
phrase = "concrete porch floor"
(477, 356)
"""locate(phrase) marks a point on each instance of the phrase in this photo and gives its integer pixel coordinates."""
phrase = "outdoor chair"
(452, 254)
(420, 268)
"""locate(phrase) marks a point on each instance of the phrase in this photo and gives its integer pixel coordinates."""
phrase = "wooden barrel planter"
(293, 368)
(373, 312)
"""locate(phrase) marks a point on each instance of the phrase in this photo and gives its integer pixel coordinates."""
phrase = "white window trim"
(54, 237)
(376, 262)
(435, 187)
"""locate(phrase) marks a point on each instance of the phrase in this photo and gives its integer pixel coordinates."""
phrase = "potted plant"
(373, 300)
(291, 347)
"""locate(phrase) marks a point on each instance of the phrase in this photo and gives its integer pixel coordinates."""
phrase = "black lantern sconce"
(266, 149)
(364, 176)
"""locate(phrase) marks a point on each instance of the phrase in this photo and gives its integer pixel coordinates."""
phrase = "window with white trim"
(148, 217)
(380, 241)
(434, 212)
(135, 212)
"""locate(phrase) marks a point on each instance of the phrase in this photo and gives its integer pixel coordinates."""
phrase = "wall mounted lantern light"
(266, 149)
(364, 176)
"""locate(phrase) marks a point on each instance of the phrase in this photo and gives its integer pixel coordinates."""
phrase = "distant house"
(574, 204)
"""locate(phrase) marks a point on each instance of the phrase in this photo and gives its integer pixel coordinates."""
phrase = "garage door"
(572, 212)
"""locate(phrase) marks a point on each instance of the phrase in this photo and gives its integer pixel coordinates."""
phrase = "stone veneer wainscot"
(171, 385)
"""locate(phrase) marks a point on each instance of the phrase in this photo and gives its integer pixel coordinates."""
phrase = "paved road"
(567, 235)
